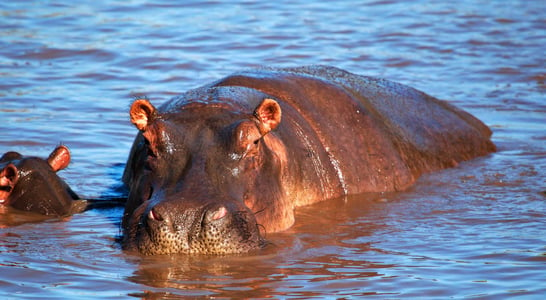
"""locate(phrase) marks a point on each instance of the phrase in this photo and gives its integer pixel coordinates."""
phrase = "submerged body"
(210, 165)
(31, 184)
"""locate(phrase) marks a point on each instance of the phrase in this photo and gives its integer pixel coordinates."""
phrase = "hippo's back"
(379, 135)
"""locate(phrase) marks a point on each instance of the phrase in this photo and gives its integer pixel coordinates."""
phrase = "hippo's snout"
(173, 227)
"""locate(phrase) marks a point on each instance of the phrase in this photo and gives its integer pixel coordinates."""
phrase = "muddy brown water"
(68, 73)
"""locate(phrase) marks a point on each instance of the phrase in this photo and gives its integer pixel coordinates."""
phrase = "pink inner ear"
(59, 158)
(269, 114)
(142, 113)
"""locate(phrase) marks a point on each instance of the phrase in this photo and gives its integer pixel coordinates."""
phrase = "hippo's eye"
(149, 151)
(151, 157)
(250, 150)
(246, 137)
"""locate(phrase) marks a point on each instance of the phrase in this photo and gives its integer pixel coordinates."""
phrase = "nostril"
(219, 213)
(154, 215)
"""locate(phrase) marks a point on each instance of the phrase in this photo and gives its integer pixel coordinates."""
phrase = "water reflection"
(13, 217)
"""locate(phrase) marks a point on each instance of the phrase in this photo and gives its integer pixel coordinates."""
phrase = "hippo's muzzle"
(169, 227)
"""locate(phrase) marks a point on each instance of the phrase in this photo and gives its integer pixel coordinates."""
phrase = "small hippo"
(213, 167)
(32, 184)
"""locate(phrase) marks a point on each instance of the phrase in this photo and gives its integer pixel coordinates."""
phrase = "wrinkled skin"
(211, 164)
(32, 184)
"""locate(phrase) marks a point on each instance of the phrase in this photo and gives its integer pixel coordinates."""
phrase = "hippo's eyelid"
(247, 151)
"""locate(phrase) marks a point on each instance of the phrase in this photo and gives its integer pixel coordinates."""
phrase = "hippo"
(31, 184)
(213, 169)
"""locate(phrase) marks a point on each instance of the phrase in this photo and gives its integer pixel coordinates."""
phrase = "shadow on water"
(10, 217)
(112, 201)
(113, 196)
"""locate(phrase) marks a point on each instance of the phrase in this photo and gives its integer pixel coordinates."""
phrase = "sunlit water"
(68, 73)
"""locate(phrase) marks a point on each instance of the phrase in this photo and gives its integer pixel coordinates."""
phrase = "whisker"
(260, 226)
(259, 211)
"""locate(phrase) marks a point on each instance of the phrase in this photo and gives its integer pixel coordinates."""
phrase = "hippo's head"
(200, 176)
(31, 183)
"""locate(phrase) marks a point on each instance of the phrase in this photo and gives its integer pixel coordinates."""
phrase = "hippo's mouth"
(5, 190)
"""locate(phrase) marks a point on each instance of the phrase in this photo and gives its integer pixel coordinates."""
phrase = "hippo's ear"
(59, 158)
(8, 178)
(268, 114)
(142, 113)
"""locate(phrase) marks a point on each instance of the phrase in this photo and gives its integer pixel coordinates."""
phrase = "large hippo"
(31, 183)
(213, 167)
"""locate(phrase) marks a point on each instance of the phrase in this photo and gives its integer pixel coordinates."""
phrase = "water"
(68, 73)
